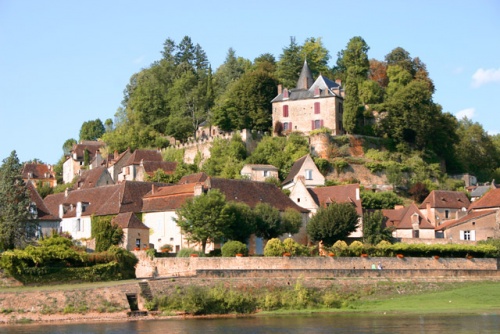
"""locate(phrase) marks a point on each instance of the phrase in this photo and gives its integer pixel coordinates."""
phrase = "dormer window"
(285, 94)
(316, 91)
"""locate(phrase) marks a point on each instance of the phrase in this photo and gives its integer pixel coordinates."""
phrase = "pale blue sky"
(66, 62)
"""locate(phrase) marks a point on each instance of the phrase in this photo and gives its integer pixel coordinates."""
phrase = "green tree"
(242, 222)
(332, 223)
(290, 64)
(68, 146)
(380, 200)
(226, 158)
(373, 228)
(92, 130)
(15, 221)
(203, 217)
(270, 223)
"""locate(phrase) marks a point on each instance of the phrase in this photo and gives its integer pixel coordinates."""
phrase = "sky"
(63, 63)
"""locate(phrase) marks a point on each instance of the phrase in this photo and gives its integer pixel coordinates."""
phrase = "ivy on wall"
(105, 233)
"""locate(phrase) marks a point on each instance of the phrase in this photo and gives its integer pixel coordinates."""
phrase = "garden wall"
(167, 267)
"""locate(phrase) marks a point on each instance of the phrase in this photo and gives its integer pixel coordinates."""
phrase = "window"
(298, 200)
(309, 174)
(416, 234)
(285, 110)
(285, 126)
(138, 243)
(446, 214)
(266, 173)
(316, 108)
(468, 235)
(317, 124)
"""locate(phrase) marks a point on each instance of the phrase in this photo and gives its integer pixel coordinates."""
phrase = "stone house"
(76, 159)
(48, 223)
(304, 168)
(314, 198)
(95, 177)
(77, 207)
(135, 233)
(309, 106)
(39, 173)
(442, 205)
(141, 163)
(482, 221)
(256, 172)
(408, 223)
(117, 162)
(160, 205)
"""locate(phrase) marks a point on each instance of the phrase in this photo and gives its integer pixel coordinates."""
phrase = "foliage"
(419, 192)
(339, 165)
(373, 228)
(274, 247)
(294, 248)
(271, 224)
(105, 232)
(380, 200)
(203, 217)
(242, 221)
(332, 223)
(231, 248)
(16, 224)
(324, 165)
(340, 248)
(186, 252)
(91, 130)
(226, 157)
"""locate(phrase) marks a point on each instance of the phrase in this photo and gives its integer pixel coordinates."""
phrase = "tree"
(241, 221)
(373, 230)
(203, 217)
(332, 223)
(290, 64)
(270, 223)
(105, 233)
(92, 130)
(380, 200)
(68, 146)
(16, 224)
(226, 158)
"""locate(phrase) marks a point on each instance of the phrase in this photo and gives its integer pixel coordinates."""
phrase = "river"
(316, 323)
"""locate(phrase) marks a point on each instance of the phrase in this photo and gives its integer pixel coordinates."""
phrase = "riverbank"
(106, 301)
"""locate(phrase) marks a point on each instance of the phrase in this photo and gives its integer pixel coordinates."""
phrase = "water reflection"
(325, 323)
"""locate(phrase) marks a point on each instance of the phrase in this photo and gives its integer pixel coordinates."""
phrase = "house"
(47, 222)
(306, 168)
(309, 106)
(408, 223)
(478, 191)
(482, 221)
(314, 198)
(95, 177)
(135, 233)
(148, 168)
(442, 205)
(133, 169)
(117, 162)
(256, 172)
(80, 153)
(161, 203)
(76, 208)
(193, 178)
(39, 174)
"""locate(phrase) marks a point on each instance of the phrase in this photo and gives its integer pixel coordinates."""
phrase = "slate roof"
(471, 216)
(38, 171)
(253, 193)
(90, 177)
(337, 194)
(297, 165)
(305, 78)
(401, 218)
(129, 220)
(446, 199)
(489, 200)
(193, 178)
(43, 211)
(143, 155)
(106, 200)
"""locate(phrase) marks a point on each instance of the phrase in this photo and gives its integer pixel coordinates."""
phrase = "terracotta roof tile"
(37, 171)
(193, 178)
(152, 166)
(339, 194)
(446, 199)
(89, 178)
(489, 200)
(129, 220)
(143, 155)
(402, 218)
(43, 211)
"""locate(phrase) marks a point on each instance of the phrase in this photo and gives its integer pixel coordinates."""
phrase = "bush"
(231, 248)
(186, 252)
(294, 248)
(340, 248)
(356, 248)
(274, 247)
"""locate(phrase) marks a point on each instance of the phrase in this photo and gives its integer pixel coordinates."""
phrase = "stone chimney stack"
(280, 89)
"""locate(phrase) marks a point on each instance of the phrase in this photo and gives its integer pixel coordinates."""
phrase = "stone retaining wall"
(168, 267)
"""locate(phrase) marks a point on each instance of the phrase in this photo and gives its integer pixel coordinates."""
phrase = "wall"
(166, 267)
(484, 227)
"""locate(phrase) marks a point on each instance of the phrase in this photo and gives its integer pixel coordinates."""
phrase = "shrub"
(186, 252)
(274, 247)
(294, 248)
(340, 248)
(231, 248)
(356, 248)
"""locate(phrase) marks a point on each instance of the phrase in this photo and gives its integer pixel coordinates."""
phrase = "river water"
(317, 323)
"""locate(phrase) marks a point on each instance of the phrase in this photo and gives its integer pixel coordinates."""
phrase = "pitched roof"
(305, 78)
(193, 178)
(152, 166)
(89, 178)
(143, 155)
(91, 146)
(260, 167)
(168, 197)
(471, 216)
(402, 218)
(106, 200)
(337, 194)
(297, 165)
(446, 199)
(253, 193)
(489, 200)
(37, 171)
(129, 220)
(43, 211)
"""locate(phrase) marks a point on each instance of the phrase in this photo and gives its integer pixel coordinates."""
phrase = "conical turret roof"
(305, 79)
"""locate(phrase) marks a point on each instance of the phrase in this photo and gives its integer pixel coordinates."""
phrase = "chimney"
(398, 207)
(153, 189)
(338, 82)
(280, 89)
(198, 189)
(115, 155)
(429, 214)
(66, 192)
(357, 194)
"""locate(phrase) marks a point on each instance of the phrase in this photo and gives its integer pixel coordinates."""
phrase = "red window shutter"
(316, 108)
(290, 126)
(285, 111)
(312, 125)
